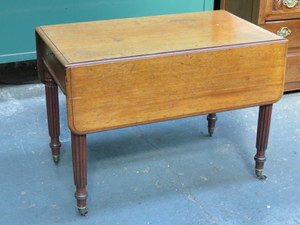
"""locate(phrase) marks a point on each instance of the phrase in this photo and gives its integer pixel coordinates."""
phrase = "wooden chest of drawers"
(278, 16)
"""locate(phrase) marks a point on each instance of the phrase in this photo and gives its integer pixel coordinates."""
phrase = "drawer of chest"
(289, 29)
(282, 9)
(293, 68)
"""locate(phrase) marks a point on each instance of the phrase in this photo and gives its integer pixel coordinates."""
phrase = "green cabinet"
(18, 18)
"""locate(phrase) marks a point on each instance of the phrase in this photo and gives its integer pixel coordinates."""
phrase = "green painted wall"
(18, 18)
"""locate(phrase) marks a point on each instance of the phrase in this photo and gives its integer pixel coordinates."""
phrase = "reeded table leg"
(263, 129)
(80, 171)
(53, 115)
(212, 119)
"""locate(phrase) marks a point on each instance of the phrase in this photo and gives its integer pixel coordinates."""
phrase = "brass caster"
(55, 159)
(260, 175)
(211, 131)
(82, 211)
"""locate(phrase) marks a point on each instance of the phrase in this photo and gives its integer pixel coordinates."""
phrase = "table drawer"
(52, 64)
(293, 68)
(289, 29)
(282, 9)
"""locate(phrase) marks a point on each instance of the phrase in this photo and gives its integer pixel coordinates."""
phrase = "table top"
(145, 36)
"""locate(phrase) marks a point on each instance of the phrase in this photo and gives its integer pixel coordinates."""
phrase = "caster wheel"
(56, 159)
(260, 175)
(83, 211)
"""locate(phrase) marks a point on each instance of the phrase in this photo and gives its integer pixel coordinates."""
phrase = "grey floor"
(161, 173)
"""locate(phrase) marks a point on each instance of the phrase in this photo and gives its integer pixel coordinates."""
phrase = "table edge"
(171, 53)
(58, 54)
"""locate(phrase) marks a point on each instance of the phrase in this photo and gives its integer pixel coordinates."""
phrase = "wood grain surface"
(99, 40)
(293, 25)
(293, 66)
(126, 93)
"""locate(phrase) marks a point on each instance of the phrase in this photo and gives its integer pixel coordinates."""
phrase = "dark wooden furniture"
(127, 72)
(281, 17)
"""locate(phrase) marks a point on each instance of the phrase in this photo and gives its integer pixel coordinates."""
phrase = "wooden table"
(127, 72)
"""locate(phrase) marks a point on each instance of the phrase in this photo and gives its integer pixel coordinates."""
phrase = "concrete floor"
(162, 173)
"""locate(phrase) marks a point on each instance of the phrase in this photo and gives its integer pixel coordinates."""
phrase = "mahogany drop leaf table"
(126, 72)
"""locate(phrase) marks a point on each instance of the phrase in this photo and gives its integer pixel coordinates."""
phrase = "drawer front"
(289, 29)
(282, 9)
(53, 66)
(293, 68)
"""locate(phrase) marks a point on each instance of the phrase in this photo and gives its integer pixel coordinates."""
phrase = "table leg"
(263, 129)
(80, 170)
(51, 91)
(212, 119)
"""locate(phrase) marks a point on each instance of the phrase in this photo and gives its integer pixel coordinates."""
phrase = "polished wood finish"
(293, 25)
(176, 87)
(51, 92)
(127, 72)
(263, 128)
(79, 156)
(122, 38)
(273, 15)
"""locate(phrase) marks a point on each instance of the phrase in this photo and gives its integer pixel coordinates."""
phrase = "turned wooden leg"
(53, 115)
(80, 171)
(263, 129)
(212, 119)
